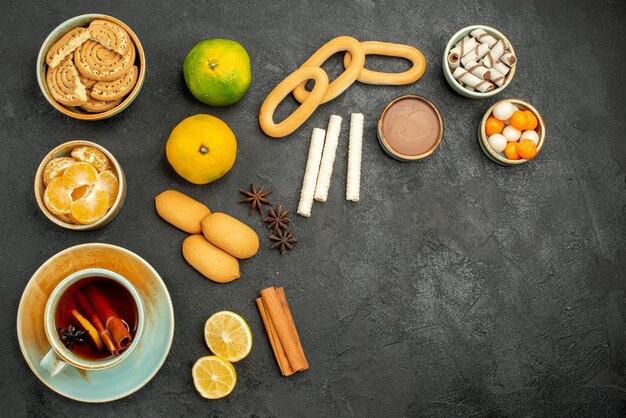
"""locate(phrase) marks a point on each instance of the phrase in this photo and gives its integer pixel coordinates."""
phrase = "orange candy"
(526, 148)
(511, 151)
(519, 120)
(493, 126)
(531, 125)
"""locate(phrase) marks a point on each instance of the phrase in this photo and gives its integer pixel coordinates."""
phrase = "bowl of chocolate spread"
(410, 128)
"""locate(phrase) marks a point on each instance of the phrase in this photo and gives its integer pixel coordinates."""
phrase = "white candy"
(311, 171)
(504, 110)
(497, 142)
(353, 179)
(532, 135)
(328, 158)
(511, 134)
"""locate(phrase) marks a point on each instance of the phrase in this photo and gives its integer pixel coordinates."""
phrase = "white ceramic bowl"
(499, 157)
(448, 72)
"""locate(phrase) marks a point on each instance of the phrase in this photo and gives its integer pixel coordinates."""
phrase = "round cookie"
(66, 45)
(111, 35)
(64, 84)
(116, 89)
(94, 61)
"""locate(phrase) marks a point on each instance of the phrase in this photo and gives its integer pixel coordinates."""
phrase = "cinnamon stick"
(88, 311)
(112, 321)
(292, 325)
(277, 311)
(277, 348)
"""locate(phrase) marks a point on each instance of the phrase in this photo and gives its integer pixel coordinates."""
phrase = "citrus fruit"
(228, 335)
(217, 71)
(511, 151)
(55, 168)
(527, 149)
(493, 126)
(108, 182)
(81, 191)
(214, 377)
(532, 120)
(57, 197)
(79, 174)
(201, 149)
(92, 156)
(90, 208)
(519, 120)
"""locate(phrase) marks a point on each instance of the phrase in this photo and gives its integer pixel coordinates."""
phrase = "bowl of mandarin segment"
(91, 67)
(80, 186)
(512, 132)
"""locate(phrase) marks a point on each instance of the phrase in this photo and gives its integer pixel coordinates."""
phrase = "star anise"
(277, 219)
(284, 241)
(72, 336)
(256, 198)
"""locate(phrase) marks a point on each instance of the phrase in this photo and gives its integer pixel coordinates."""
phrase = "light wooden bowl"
(64, 150)
(76, 112)
(499, 157)
(448, 72)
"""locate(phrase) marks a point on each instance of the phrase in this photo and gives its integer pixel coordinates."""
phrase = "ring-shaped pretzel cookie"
(345, 79)
(302, 113)
(390, 50)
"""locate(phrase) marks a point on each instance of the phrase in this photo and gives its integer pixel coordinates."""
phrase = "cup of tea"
(93, 320)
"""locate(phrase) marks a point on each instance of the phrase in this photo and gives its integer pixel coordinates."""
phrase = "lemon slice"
(228, 335)
(214, 377)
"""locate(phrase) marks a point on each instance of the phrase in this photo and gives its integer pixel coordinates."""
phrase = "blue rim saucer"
(133, 372)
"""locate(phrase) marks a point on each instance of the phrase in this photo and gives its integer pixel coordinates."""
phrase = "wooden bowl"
(448, 72)
(499, 157)
(76, 112)
(64, 150)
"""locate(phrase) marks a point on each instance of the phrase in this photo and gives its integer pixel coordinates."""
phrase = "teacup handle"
(52, 363)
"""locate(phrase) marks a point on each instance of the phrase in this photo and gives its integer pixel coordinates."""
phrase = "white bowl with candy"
(479, 62)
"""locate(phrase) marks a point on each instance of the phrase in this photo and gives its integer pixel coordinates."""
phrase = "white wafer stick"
(501, 68)
(328, 158)
(494, 53)
(471, 80)
(509, 59)
(310, 173)
(478, 70)
(483, 37)
(497, 77)
(461, 48)
(475, 54)
(353, 183)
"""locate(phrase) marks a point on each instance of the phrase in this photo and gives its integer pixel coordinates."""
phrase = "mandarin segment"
(57, 197)
(90, 208)
(527, 149)
(519, 120)
(511, 151)
(493, 126)
(92, 156)
(108, 182)
(80, 174)
(55, 168)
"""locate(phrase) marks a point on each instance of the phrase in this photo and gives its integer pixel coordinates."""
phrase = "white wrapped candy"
(497, 142)
(509, 59)
(471, 80)
(532, 135)
(511, 133)
(461, 48)
(475, 54)
(494, 53)
(478, 70)
(483, 37)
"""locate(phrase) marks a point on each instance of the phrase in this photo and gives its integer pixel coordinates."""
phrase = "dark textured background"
(455, 287)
